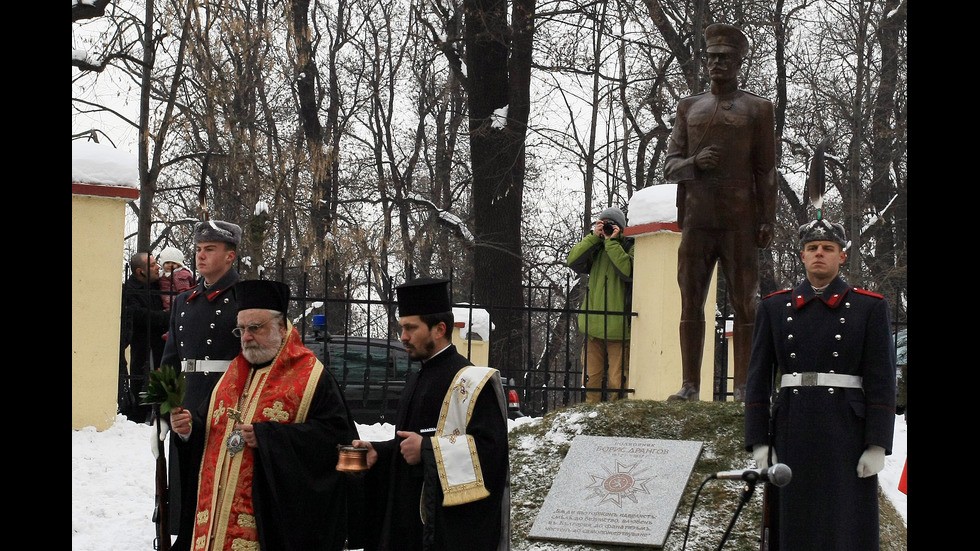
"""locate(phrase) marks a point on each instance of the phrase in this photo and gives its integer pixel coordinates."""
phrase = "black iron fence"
(543, 364)
(354, 330)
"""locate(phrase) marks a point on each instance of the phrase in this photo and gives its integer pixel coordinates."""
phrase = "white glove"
(760, 452)
(164, 429)
(158, 437)
(872, 461)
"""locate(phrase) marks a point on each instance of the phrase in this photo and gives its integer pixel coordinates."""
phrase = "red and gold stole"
(281, 393)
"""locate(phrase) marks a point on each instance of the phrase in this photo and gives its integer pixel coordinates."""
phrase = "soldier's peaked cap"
(423, 296)
(719, 38)
(219, 231)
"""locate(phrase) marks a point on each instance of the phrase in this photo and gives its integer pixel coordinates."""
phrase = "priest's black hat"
(264, 294)
(423, 296)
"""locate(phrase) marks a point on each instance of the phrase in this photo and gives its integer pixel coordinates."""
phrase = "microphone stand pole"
(747, 490)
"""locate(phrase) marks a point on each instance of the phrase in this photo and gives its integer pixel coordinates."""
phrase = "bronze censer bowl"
(352, 460)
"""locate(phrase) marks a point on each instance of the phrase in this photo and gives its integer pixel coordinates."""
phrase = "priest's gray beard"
(257, 354)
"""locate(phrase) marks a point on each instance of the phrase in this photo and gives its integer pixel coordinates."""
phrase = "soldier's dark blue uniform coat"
(820, 432)
(201, 321)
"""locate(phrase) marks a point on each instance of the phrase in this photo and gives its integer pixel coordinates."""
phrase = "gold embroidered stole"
(455, 451)
(282, 393)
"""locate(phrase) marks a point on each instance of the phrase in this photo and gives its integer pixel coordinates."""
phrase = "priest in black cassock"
(268, 475)
(443, 482)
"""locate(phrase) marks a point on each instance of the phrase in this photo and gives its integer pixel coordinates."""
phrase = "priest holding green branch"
(268, 477)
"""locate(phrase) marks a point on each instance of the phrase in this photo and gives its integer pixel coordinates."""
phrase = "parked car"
(372, 374)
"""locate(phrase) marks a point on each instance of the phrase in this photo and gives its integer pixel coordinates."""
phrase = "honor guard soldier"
(200, 343)
(820, 398)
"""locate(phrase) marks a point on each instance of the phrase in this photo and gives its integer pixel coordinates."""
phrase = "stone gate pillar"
(103, 181)
(655, 349)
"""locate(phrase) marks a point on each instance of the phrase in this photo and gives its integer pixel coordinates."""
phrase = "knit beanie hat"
(171, 254)
(614, 214)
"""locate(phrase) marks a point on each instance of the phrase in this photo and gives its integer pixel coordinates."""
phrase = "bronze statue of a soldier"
(722, 156)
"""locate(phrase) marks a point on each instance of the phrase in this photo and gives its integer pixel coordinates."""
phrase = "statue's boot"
(692, 350)
(742, 338)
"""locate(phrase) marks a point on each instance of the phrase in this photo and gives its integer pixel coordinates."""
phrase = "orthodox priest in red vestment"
(268, 476)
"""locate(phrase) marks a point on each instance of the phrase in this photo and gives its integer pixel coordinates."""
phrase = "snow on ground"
(112, 481)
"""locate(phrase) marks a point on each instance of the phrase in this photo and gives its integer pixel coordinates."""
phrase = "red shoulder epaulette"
(776, 293)
(866, 292)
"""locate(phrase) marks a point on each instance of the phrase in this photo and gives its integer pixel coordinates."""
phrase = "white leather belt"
(810, 378)
(205, 366)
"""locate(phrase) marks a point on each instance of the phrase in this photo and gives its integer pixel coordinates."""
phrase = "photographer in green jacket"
(607, 256)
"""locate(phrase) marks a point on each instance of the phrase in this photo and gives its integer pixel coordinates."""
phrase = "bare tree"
(135, 44)
(332, 131)
(848, 63)
(498, 70)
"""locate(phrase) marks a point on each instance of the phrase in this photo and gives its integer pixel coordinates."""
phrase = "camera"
(609, 227)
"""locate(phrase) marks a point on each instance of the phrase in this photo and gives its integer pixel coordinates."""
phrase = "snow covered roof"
(93, 163)
(653, 209)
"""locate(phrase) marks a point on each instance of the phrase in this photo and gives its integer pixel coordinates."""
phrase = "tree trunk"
(321, 163)
(497, 156)
(884, 188)
(147, 182)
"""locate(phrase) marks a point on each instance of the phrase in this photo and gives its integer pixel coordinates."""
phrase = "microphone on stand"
(777, 475)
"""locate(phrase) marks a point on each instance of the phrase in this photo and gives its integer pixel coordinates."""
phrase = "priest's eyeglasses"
(252, 328)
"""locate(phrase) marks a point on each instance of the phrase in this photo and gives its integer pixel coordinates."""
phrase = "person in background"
(820, 398)
(144, 324)
(607, 256)
(176, 278)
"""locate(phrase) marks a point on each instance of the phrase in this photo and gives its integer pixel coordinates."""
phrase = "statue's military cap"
(722, 38)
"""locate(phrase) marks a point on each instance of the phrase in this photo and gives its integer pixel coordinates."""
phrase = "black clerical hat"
(423, 296)
(260, 293)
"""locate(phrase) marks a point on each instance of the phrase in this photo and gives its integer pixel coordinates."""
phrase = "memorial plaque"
(617, 490)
